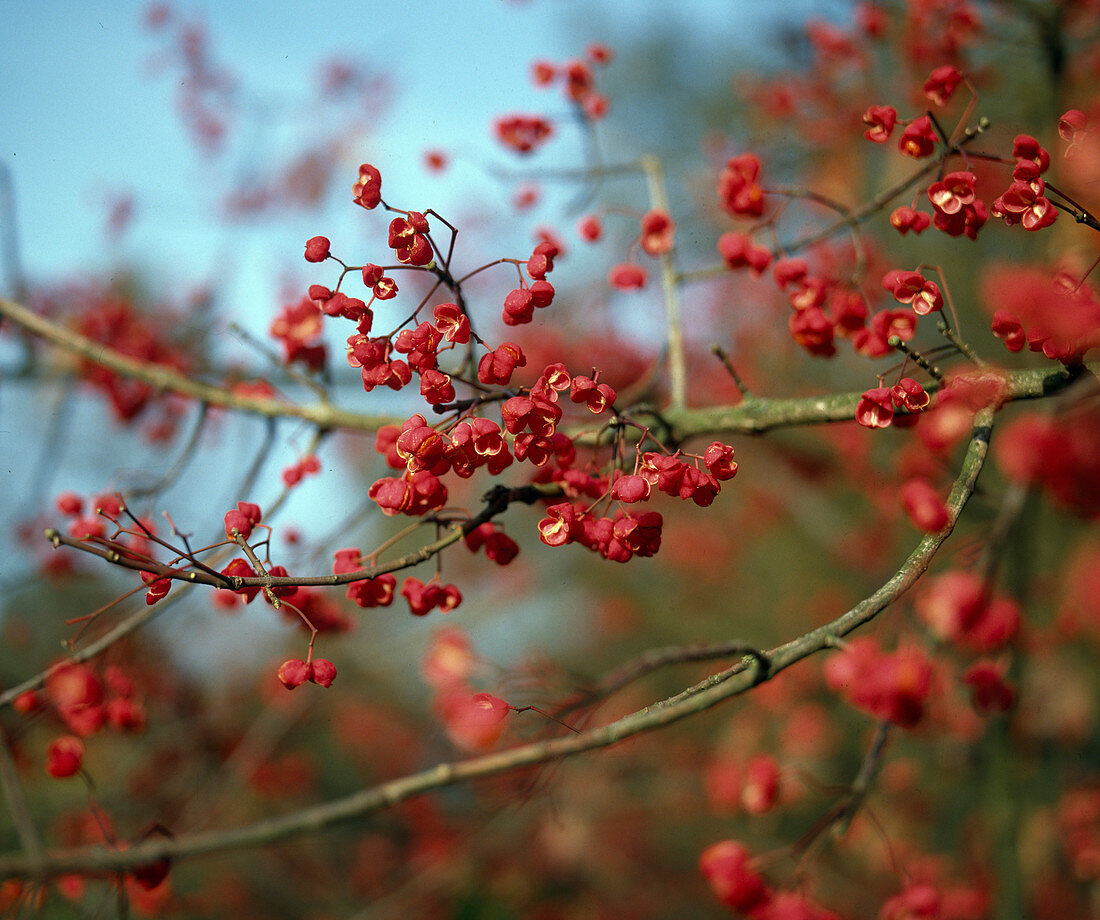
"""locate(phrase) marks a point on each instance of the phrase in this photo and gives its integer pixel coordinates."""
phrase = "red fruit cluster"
(534, 413)
(905, 218)
(294, 672)
(337, 303)
(159, 586)
(893, 686)
(472, 722)
(497, 367)
(627, 276)
(373, 357)
(522, 133)
(377, 591)
(824, 310)
(452, 323)
(77, 695)
(872, 340)
(367, 190)
(473, 443)
(726, 865)
(317, 249)
(520, 304)
(242, 519)
(914, 289)
(424, 598)
(578, 80)
(419, 346)
(880, 121)
(738, 250)
(477, 443)
(686, 481)
(112, 321)
(1060, 454)
(436, 388)
(425, 454)
(875, 408)
(1051, 314)
(738, 191)
(382, 287)
(879, 406)
(414, 494)
(498, 546)
(299, 328)
(658, 233)
(64, 756)
(1073, 127)
(941, 84)
(239, 568)
(1024, 202)
(618, 538)
(919, 139)
(924, 505)
(307, 466)
(956, 209)
(89, 526)
(84, 703)
(908, 394)
(408, 239)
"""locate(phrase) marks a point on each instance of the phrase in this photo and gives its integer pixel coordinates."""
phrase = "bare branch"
(715, 689)
(168, 380)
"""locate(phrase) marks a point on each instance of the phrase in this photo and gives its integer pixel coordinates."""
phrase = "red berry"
(323, 672)
(317, 249)
(69, 503)
(368, 190)
(293, 673)
(64, 756)
(627, 276)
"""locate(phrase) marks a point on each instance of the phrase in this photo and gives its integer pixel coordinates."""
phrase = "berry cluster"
(84, 703)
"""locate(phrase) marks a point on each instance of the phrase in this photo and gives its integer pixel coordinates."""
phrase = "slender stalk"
(677, 369)
(168, 380)
(719, 687)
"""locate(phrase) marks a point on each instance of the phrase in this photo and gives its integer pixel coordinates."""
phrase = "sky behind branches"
(85, 122)
(90, 119)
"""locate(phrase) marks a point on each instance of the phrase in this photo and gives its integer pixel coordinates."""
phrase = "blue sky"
(84, 122)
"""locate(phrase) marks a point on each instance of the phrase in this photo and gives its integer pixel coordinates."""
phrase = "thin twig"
(180, 463)
(17, 803)
(721, 354)
(857, 217)
(168, 380)
(677, 368)
(657, 658)
(716, 689)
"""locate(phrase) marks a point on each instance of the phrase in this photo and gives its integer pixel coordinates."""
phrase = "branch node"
(763, 665)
